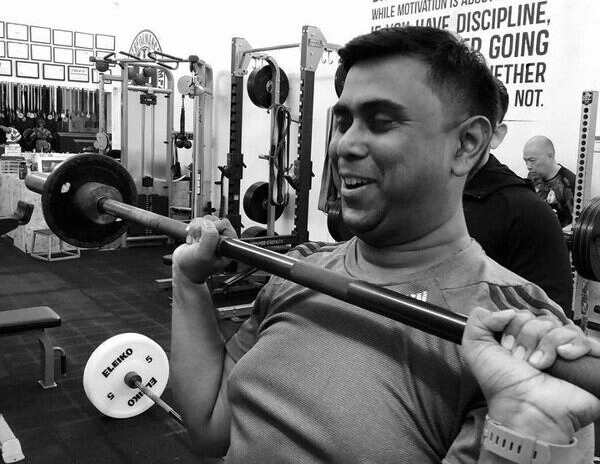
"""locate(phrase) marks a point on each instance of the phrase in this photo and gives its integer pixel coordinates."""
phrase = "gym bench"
(36, 318)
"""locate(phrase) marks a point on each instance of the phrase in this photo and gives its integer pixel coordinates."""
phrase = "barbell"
(85, 203)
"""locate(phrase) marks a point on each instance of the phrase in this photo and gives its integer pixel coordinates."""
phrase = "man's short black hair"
(503, 100)
(458, 75)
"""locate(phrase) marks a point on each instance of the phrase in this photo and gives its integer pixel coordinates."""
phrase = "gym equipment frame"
(582, 198)
(199, 87)
(312, 46)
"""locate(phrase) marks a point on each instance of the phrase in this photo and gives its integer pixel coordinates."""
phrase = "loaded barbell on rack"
(85, 202)
(125, 376)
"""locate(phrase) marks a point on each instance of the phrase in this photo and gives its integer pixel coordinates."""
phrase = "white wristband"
(520, 449)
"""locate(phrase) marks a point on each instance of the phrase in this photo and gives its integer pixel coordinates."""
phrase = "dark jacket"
(519, 230)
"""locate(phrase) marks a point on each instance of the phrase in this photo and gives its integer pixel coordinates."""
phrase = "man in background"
(554, 183)
(514, 227)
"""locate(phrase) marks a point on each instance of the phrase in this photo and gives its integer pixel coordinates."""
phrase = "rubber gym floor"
(99, 295)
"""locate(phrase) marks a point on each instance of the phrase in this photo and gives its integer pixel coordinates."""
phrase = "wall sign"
(5, 67)
(28, 69)
(17, 31)
(53, 72)
(41, 52)
(83, 40)
(513, 35)
(39, 34)
(79, 74)
(62, 37)
(18, 50)
(144, 43)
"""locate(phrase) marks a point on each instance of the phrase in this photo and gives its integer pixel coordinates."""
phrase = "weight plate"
(260, 86)
(254, 231)
(256, 203)
(339, 79)
(105, 371)
(60, 210)
(580, 236)
(586, 237)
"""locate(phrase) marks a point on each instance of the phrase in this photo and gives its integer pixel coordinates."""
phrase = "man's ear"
(475, 134)
(498, 135)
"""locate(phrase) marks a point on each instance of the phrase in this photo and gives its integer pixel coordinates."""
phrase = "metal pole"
(274, 47)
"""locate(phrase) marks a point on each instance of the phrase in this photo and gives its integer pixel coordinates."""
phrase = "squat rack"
(312, 46)
(581, 198)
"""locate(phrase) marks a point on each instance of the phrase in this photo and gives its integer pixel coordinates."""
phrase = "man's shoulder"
(568, 176)
(317, 251)
(480, 281)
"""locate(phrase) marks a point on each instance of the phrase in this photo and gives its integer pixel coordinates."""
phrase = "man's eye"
(380, 123)
(343, 123)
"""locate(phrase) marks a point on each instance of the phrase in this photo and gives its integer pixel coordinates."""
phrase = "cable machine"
(151, 77)
(312, 46)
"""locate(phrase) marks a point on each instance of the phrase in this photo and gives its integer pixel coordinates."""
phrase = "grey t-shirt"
(320, 380)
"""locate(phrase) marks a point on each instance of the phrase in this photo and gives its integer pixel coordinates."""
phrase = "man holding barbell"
(311, 379)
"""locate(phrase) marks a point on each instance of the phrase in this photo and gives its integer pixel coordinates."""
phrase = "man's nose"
(351, 143)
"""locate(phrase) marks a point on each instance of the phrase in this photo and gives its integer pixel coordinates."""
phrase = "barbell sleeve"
(133, 380)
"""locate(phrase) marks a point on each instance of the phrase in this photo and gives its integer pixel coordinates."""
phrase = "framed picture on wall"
(2, 49)
(39, 34)
(83, 57)
(17, 31)
(105, 42)
(5, 68)
(83, 40)
(79, 74)
(53, 72)
(41, 52)
(62, 37)
(28, 69)
(1, 29)
(17, 50)
(63, 55)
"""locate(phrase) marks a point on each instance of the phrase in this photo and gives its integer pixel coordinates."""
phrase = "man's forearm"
(199, 365)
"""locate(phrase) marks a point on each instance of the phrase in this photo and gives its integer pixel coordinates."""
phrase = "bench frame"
(36, 319)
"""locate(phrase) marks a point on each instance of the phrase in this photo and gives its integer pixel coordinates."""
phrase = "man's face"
(537, 160)
(392, 147)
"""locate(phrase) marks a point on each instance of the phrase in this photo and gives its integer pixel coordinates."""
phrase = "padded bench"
(36, 318)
